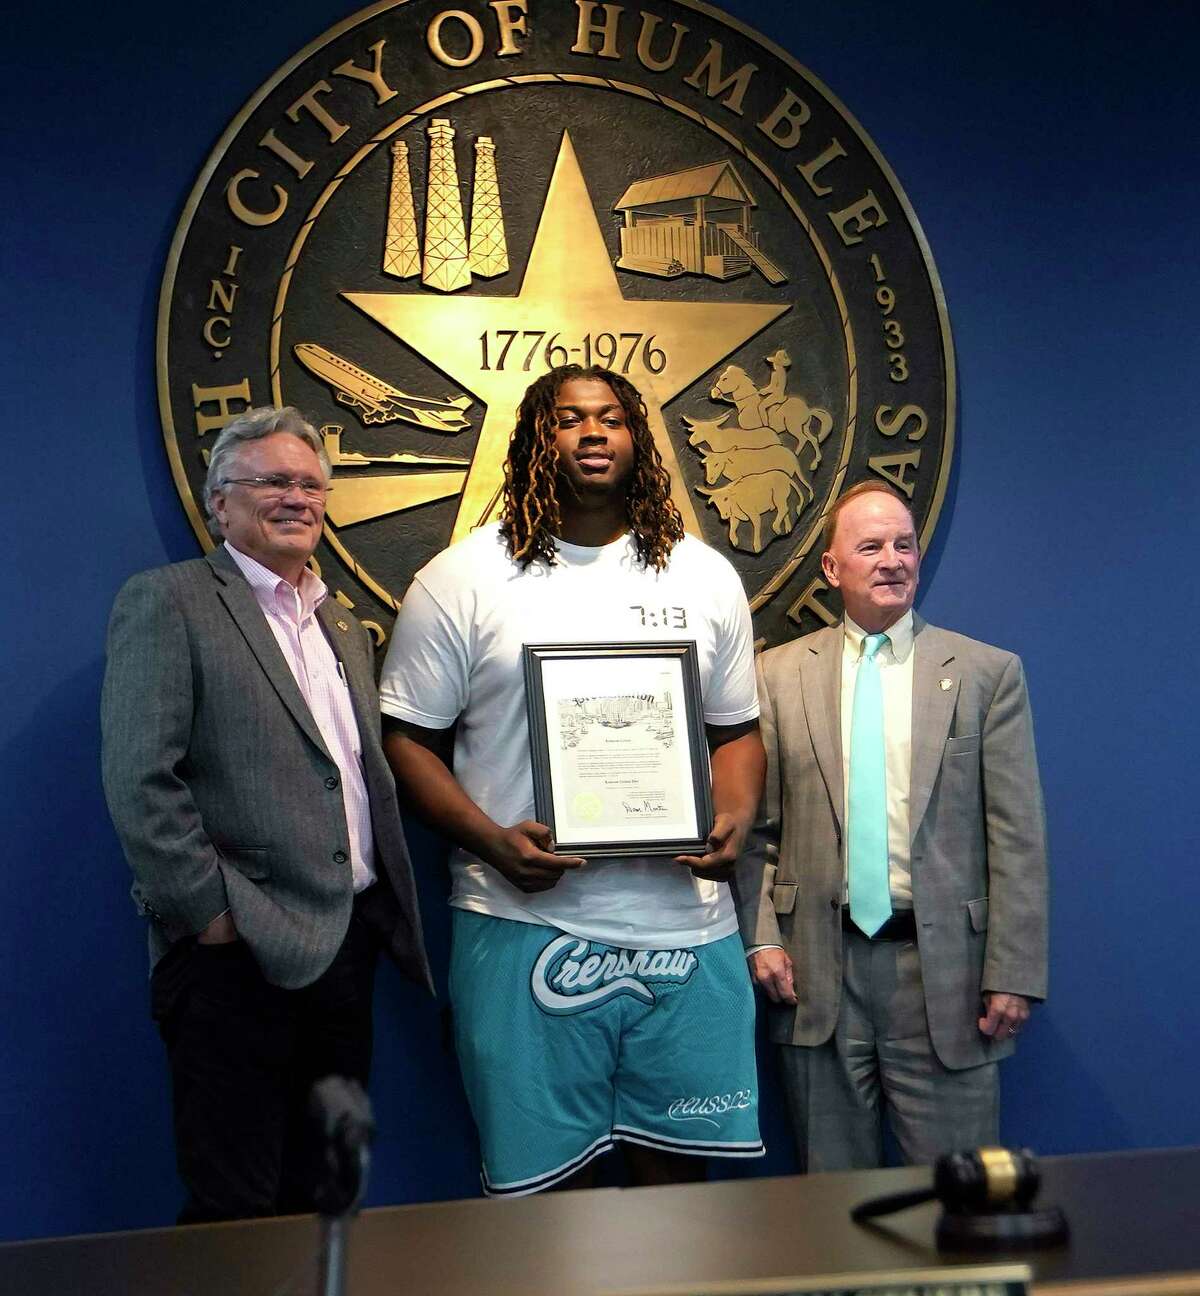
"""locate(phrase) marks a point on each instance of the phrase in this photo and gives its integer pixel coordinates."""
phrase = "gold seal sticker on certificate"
(587, 806)
(620, 763)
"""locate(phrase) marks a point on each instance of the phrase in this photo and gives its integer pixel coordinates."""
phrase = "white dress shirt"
(895, 659)
(291, 614)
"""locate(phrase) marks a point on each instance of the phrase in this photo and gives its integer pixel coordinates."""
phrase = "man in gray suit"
(244, 773)
(893, 901)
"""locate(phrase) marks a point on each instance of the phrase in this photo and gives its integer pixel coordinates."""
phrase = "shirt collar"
(900, 638)
(273, 592)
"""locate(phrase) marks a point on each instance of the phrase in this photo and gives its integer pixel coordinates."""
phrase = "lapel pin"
(342, 625)
(945, 684)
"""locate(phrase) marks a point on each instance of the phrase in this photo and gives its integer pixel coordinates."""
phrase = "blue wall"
(1051, 154)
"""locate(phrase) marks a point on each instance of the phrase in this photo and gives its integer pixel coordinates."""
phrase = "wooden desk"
(1130, 1214)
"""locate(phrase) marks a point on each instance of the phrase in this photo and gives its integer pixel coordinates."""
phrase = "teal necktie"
(870, 895)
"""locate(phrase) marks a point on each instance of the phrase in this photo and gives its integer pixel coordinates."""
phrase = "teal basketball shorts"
(567, 1045)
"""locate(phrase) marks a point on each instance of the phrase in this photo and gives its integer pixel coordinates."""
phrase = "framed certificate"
(620, 759)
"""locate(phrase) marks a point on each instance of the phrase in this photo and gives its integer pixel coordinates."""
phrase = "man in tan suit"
(908, 1010)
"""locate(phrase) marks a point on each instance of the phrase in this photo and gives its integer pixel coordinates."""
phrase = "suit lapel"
(934, 695)
(821, 683)
(355, 670)
(243, 607)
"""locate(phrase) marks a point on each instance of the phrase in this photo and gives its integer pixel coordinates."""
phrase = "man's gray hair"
(253, 425)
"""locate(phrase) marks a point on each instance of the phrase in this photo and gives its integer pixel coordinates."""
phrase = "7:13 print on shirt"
(666, 618)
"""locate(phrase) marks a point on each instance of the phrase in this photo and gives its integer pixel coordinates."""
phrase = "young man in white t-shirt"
(608, 999)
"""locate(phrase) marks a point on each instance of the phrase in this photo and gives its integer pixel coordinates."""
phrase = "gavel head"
(987, 1179)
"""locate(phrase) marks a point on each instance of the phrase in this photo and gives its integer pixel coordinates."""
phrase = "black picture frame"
(690, 730)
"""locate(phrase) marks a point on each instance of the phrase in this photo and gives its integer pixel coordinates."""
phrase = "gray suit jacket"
(220, 785)
(978, 835)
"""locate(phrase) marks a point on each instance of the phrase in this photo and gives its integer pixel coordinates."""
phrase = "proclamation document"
(621, 737)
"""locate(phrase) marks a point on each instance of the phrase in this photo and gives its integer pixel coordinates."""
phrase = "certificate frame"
(550, 773)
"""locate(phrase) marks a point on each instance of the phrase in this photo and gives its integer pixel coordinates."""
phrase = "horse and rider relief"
(752, 473)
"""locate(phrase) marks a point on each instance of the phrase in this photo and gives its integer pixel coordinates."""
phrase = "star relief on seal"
(569, 278)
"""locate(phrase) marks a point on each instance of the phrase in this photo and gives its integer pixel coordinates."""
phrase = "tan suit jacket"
(978, 851)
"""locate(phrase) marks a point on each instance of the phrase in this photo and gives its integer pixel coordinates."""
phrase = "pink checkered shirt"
(291, 614)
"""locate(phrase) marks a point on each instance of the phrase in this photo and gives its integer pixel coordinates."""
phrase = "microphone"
(986, 1196)
(344, 1127)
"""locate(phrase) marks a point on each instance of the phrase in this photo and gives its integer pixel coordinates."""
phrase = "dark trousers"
(244, 1056)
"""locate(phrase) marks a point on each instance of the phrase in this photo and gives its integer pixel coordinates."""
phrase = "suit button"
(339, 857)
(331, 782)
(835, 903)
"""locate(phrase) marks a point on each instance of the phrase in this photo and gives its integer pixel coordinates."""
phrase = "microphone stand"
(335, 1237)
(342, 1112)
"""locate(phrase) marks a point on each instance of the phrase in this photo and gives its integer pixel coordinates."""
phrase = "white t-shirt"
(455, 653)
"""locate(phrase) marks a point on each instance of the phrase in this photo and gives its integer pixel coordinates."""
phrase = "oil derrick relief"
(401, 250)
(447, 259)
(446, 265)
(489, 254)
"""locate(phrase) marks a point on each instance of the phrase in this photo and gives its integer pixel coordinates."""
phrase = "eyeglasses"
(278, 484)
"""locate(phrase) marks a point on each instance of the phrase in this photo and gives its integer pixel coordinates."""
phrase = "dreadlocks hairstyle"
(531, 516)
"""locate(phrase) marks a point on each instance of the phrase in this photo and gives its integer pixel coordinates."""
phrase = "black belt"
(902, 925)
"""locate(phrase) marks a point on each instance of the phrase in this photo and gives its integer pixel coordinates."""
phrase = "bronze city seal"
(429, 206)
